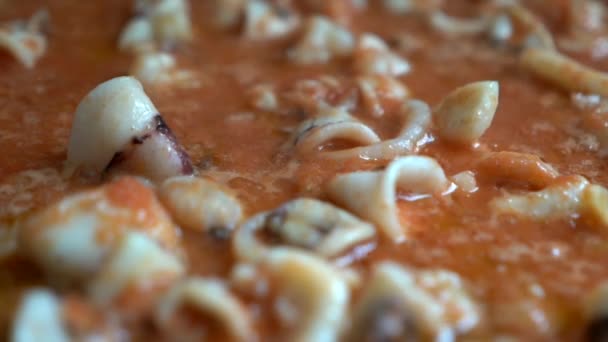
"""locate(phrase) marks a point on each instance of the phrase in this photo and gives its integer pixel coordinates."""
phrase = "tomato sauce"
(530, 277)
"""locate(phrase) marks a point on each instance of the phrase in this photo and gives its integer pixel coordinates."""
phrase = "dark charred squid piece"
(117, 130)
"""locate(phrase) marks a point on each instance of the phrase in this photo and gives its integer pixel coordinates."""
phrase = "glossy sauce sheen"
(530, 277)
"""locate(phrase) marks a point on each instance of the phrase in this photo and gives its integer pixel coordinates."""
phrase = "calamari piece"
(136, 263)
(457, 26)
(411, 6)
(595, 311)
(170, 21)
(400, 304)
(378, 92)
(564, 72)
(138, 35)
(117, 128)
(467, 112)
(157, 68)
(321, 41)
(516, 168)
(211, 298)
(314, 134)
(265, 21)
(39, 318)
(26, 40)
(312, 297)
(71, 238)
(331, 124)
(558, 200)
(157, 23)
(373, 57)
(372, 195)
(201, 205)
(304, 223)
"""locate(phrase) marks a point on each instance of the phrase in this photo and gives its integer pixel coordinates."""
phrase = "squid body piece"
(467, 112)
(117, 128)
(372, 194)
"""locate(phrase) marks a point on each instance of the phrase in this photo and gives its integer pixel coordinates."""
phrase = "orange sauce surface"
(530, 277)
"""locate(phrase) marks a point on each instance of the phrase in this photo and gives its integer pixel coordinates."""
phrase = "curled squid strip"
(373, 57)
(201, 205)
(564, 72)
(137, 262)
(157, 23)
(313, 289)
(158, 68)
(71, 239)
(39, 318)
(425, 304)
(118, 129)
(304, 223)
(314, 134)
(211, 298)
(518, 168)
(26, 40)
(457, 26)
(321, 41)
(538, 35)
(372, 195)
(467, 112)
(331, 124)
(560, 199)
